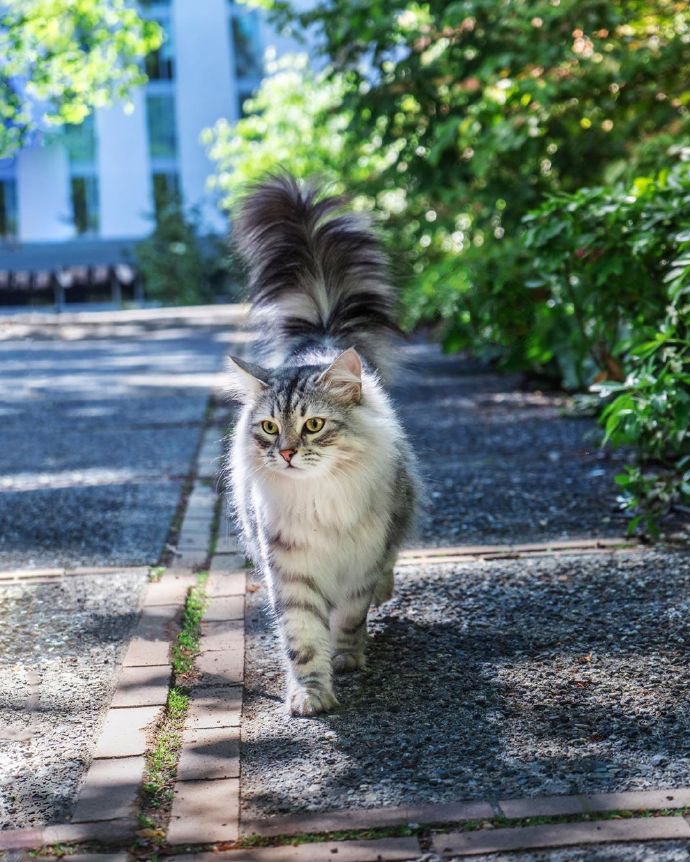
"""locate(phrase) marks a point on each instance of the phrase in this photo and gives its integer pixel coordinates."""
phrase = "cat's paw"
(304, 702)
(343, 662)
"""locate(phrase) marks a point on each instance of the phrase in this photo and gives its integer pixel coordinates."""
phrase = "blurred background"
(528, 164)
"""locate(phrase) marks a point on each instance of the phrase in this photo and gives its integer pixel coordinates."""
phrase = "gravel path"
(59, 648)
(97, 438)
(489, 680)
(495, 679)
(98, 435)
(502, 465)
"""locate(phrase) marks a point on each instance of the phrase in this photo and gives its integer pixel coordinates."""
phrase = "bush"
(179, 266)
(614, 264)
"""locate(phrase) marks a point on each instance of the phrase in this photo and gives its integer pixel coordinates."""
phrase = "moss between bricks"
(164, 751)
(426, 831)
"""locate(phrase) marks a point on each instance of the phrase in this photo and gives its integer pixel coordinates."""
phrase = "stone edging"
(457, 812)
(206, 803)
(107, 802)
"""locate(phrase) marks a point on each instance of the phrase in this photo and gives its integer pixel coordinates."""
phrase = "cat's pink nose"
(287, 454)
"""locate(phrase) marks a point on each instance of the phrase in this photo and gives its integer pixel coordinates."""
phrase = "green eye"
(269, 427)
(314, 424)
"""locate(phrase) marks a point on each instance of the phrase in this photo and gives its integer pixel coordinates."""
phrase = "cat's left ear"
(246, 379)
(343, 377)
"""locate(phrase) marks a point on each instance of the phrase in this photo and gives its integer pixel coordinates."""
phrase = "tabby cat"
(323, 478)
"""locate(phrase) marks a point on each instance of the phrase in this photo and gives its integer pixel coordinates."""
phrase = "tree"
(61, 58)
(480, 109)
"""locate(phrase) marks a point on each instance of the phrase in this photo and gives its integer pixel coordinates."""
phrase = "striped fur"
(324, 520)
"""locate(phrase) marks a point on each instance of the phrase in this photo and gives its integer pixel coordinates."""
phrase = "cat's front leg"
(349, 628)
(302, 613)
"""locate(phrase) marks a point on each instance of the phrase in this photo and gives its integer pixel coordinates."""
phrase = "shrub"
(178, 265)
(614, 264)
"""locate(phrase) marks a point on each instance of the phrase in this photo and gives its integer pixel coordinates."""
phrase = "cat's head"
(301, 420)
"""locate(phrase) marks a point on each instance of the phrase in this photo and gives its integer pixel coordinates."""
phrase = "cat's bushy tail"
(317, 273)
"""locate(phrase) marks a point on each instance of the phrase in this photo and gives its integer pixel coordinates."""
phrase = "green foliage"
(295, 122)
(61, 58)
(456, 120)
(186, 646)
(178, 264)
(614, 264)
(600, 258)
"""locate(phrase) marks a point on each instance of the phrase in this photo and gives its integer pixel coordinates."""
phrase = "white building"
(82, 197)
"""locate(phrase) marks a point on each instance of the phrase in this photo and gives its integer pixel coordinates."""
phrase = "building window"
(160, 119)
(160, 64)
(166, 189)
(84, 190)
(80, 142)
(246, 39)
(8, 208)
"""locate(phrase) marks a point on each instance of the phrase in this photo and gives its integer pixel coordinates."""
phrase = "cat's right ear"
(247, 380)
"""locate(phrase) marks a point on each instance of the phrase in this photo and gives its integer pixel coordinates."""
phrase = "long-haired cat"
(323, 478)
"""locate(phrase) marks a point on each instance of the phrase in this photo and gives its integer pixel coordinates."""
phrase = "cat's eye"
(269, 427)
(314, 424)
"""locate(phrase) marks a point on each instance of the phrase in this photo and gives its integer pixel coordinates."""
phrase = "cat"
(323, 479)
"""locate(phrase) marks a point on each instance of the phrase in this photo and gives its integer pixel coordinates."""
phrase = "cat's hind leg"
(349, 629)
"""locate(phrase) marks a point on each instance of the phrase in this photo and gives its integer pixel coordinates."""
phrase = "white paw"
(304, 702)
(347, 661)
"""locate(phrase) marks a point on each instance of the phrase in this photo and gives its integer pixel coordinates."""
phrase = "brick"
(104, 831)
(455, 551)
(228, 542)
(124, 732)
(225, 667)
(209, 753)
(142, 686)
(152, 636)
(224, 608)
(157, 621)
(230, 582)
(215, 707)
(145, 653)
(170, 590)
(110, 789)
(194, 536)
(201, 503)
(222, 636)
(368, 818)
(226, 563)
(188, 559)
(380, 850)
(91, 857)
(560, 835)
(638, 800)
(22, 839)
(205, 811)
(545, 806)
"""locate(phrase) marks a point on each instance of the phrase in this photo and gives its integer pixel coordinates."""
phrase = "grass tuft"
(186, 646)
